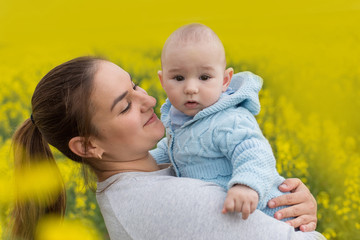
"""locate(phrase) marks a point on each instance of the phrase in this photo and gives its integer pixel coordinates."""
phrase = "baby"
(211, 131)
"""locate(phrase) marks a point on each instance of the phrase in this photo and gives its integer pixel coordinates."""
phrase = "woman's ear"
(77, 146)
(227, 78)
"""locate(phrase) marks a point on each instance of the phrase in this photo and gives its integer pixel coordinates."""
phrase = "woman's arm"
(155, 205)
(302, 205)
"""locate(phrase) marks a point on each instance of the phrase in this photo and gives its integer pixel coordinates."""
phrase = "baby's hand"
(241, 198)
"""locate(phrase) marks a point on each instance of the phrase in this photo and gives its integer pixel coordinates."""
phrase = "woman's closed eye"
(135, 85)
(126, 109)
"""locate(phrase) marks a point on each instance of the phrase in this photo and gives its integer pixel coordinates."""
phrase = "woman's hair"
(60, 111)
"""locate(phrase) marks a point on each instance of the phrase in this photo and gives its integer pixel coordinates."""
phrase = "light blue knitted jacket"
(224, 144)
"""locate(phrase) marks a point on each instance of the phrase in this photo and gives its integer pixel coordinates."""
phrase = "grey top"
(157, 205)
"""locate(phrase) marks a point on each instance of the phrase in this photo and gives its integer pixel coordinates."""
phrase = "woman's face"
(123, 115)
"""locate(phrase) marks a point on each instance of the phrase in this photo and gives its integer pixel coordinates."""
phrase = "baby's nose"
(191, 88)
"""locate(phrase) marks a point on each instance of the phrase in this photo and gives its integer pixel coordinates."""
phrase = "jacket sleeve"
(160, 153)
(242, 142)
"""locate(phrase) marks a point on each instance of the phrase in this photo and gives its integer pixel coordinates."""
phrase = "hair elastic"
(32, 119)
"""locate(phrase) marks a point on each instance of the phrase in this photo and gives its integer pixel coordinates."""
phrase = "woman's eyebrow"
(118, 99)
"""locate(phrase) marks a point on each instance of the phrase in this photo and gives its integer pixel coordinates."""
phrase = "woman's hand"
(302, 205)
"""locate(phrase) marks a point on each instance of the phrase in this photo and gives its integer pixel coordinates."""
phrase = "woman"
(92, 112)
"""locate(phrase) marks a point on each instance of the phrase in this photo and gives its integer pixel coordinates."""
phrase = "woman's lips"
(191, 104)
(152, 119)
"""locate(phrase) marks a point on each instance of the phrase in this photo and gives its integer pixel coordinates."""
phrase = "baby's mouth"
(191, 104)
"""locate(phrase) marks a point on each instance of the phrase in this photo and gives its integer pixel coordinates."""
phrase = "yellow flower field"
(307, 52)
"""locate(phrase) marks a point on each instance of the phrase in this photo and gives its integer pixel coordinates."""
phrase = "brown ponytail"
(60, 111)
(30, 148)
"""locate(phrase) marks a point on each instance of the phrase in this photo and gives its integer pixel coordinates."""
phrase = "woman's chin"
(161, 134)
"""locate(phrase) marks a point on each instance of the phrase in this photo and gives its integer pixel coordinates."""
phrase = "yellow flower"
(357, 225)
(80, 201)
(52, 228)
(38, 181)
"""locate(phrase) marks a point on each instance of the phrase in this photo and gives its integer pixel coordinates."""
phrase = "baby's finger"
(238, 205)
(253, 207)
(245, 211)
(229, 205)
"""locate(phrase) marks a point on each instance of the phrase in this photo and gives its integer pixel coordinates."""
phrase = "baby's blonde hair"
(192, 33)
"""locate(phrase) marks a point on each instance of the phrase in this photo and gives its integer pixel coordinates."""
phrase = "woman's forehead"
(109, 70)
(110, 80)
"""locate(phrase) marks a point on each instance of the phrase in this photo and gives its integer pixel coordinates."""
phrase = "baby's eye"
(179, 78)
(204, 77)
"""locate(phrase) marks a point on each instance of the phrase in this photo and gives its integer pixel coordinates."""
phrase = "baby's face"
(193, 75)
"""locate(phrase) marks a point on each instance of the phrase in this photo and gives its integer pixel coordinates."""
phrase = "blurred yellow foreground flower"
(52, 228)
(41, 181)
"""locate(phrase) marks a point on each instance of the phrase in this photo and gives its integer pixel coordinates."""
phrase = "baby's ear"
(227, 78)
(160, 74)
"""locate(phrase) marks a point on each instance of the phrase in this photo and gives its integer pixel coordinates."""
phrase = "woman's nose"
(146, 101)
(191, 87)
